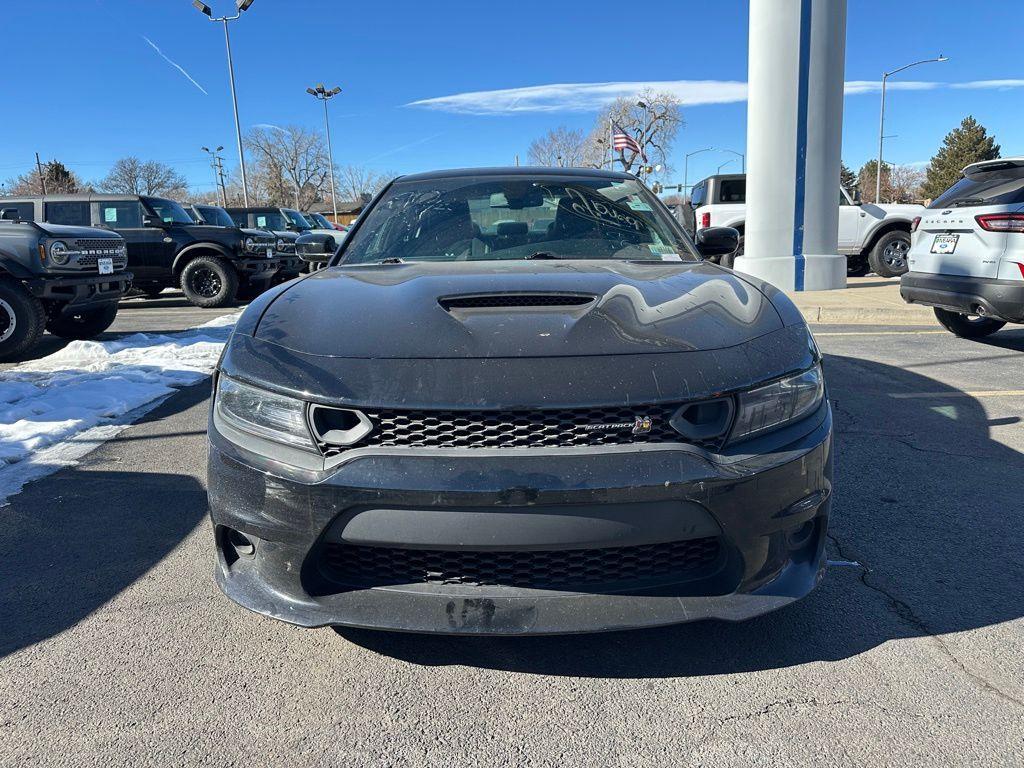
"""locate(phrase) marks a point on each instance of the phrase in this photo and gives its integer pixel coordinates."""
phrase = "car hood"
(416, 310)
(64, 230)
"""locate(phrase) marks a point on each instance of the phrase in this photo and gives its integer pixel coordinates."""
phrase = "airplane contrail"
(174, 64)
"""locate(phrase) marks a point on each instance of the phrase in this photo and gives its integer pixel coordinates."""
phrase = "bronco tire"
(209, 281)
(84, 325)
(967, 326)
(889, 256)
(22, 320)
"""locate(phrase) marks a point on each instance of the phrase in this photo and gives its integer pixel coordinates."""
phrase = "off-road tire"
(84, 325)
(22, 319)
(209, 281)
(888, 257)
(967, 326)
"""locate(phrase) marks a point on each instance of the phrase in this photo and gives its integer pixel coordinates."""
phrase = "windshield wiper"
(968, 201)
(543, 255)
(391, 260)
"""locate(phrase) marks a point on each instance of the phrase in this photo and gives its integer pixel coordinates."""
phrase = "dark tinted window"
(698, 194)
(75, 213)
(121, 214)
(732, 191)
(169, 211)
(240, 219)
(23, 211)
(1003, 186)
(214, 215)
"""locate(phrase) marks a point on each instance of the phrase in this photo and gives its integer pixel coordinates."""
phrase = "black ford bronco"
(65, 279)
(165, 246)
(286, 223)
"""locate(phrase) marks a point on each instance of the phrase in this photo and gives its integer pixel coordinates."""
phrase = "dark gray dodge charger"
(517, 401)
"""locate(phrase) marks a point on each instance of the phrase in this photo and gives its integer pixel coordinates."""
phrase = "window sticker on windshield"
(110, 215)
(596, 208)
(638, 205)
(261, 221)
(671, 257)
(660, 248)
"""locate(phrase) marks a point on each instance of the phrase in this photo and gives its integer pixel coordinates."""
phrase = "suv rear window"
(75, 213)
(732, 191)
(697, 194)
(1003, 186)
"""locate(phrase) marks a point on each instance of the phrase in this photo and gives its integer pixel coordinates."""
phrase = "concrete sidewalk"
(872, 299)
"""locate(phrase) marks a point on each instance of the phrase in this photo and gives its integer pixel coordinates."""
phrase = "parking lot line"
(877, 333)
(982, 393)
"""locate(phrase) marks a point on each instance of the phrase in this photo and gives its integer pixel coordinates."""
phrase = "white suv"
(967, 251)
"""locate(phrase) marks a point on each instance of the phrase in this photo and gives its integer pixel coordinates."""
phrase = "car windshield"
(1000, 186)
(296, 219)
(517, 217)
(215, 216)
(168, 211)
(319, 220)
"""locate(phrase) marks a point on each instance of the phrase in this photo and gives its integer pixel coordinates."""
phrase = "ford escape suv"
(967, 255)
(519, 401)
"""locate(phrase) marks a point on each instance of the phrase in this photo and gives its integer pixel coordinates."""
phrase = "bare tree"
(561, 148)
(132, 176)
(355, 182)
(59, 180)
(291, 166)
(905, 184)
(653, 126)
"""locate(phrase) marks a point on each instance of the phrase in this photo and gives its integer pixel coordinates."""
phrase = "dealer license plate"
(106, 266)
(944, 243)
(270, 253)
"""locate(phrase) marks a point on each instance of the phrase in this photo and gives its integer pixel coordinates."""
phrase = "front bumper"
(768, 510)
(1000, 299)
(79, 294)
(259, 268)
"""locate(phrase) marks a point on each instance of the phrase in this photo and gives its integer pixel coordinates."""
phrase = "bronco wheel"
(21, 320)
(967, 326)
(209, 281)
(83, 325)
(889, 256)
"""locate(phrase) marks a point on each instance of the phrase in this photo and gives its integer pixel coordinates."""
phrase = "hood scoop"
(515, 301)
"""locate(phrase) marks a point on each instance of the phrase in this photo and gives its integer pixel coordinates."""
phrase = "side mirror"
(716, 241)
(856, 197)
(149, 220)
(315, 248)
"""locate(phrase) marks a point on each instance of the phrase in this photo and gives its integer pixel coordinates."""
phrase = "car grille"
(108, 244)
(523, 429)
(120, 262)
(359, 565)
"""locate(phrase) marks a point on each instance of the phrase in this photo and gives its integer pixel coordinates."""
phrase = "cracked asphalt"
(116, 647)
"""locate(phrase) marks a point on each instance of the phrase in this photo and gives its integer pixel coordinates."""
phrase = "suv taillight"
(1001, 222)
(705, 219)
(915, 224)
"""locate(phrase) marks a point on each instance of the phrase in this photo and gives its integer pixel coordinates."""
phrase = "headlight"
(777, 404)
(59, 254)
(264, 414)
(280, 244)
(250, 244)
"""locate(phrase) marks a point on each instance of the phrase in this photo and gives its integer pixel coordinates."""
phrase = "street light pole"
(725, 164)
(324, 95)
(686, 166)
(218, 173)
(242, 5)
(881, 120)
(740, 155)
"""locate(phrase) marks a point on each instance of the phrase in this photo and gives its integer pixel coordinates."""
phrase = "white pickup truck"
(874, 238)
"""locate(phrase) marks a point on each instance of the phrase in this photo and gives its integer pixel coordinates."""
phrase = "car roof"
(993, 165)
(88, 196)
(516, 170)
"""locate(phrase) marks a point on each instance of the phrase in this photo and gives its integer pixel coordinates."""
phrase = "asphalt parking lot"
(116, 647)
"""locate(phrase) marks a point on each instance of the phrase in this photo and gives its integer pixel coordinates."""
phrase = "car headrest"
(507, 228)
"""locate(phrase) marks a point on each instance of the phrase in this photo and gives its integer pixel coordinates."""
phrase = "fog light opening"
(237, 545)
(800, 535)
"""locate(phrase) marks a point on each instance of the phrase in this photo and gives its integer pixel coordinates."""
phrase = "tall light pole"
(242, 6)
(218, 173)
(686, 166)
(740, 155)
(725, 164)
(881, 120)
(323, 95)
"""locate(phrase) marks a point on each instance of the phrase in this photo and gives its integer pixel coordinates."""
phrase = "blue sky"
(85, 86)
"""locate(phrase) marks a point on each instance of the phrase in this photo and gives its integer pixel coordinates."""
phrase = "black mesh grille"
(107, 244)
(515, 300)
(119, 262)
(377, 566)
(523, 429)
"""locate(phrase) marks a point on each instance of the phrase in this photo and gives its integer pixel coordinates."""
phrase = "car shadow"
(925, 533)
(74, 541)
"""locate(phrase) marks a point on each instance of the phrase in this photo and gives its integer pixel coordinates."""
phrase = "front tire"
(967, 326)
(889, 256)
(22, 319)
(84, 325)
(208, 281)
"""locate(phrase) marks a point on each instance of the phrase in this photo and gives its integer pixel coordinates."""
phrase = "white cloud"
(591, 97)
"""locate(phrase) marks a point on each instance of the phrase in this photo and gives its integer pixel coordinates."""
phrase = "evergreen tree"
(847, 178)
(59, 180)
(969, 143)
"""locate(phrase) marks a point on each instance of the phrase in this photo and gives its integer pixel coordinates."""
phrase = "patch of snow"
(56, 409)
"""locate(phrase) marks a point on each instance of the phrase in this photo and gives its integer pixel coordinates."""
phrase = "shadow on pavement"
(925, 500)
(73, 541)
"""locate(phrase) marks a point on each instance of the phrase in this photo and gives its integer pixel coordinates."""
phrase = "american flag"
(622, 141)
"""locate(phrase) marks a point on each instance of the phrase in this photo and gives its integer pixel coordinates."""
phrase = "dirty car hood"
(405, 310)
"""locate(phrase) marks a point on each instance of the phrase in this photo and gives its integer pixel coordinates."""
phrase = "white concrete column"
(794, 143)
